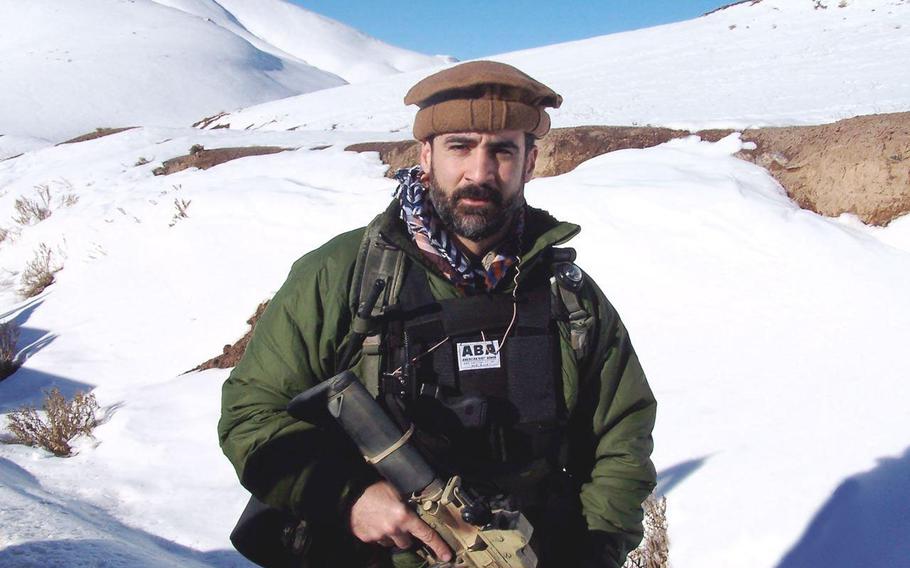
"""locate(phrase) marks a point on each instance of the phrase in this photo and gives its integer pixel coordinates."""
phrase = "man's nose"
(481, 167)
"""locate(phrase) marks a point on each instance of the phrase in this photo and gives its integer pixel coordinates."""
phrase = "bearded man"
(553, 411)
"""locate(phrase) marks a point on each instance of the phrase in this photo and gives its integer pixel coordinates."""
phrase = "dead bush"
(39, 272)
(9, 337)
(181, 205)
(30, 211)
(654, 550)
(63, 420)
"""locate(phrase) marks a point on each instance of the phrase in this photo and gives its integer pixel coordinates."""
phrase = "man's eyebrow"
(504, 144)
(470, 141)
(460, 140)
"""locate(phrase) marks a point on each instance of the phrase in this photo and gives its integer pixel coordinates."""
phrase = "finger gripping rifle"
(481, 536)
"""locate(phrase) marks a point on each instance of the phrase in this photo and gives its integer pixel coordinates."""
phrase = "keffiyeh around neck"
(434, 241)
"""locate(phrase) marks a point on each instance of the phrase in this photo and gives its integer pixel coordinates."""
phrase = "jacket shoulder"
(334, 256)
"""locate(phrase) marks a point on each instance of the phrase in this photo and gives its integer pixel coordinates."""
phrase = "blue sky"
(469, 29)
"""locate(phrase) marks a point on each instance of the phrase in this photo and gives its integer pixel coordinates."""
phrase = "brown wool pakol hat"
(481, 96)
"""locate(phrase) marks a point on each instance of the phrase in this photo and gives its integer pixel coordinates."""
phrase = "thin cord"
(416, 358)
(514, 305)
(505, 336)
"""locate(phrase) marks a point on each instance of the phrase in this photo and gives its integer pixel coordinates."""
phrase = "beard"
(475, 223)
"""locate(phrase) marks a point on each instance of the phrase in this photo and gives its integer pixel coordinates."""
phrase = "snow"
(11, 146)
(783, 63)
(69, 68)
(327, 44)
(770, 335)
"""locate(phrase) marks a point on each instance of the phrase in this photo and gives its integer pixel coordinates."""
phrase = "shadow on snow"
(31, 339)
(26, 387)
(126, 547)
(670, 477)
(864, 523)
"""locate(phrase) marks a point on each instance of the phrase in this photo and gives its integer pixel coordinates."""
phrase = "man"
(564, 412)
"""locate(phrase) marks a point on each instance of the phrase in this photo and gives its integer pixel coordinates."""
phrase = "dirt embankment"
(199, 157)
(98, 133)
(859, 165)
(231, 354)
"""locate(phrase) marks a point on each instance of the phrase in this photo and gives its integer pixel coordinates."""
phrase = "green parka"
(294, 466)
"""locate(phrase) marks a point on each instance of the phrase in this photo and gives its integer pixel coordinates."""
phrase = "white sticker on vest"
(478, 355)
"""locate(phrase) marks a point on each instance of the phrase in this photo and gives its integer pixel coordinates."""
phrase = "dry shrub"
(181, 205)
(654, 550)
(30, 211)
(63, 421)
(9, 337)
(39, 272)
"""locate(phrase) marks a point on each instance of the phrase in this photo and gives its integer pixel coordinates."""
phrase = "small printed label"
(478, 355)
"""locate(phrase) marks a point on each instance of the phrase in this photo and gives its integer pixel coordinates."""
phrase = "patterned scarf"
(431, 237)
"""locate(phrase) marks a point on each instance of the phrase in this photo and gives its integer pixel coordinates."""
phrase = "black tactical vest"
(486, 406)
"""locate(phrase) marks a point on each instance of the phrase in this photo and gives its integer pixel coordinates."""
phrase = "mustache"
(474, 191)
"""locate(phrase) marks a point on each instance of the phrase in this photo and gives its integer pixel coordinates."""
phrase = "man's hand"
(380, 516)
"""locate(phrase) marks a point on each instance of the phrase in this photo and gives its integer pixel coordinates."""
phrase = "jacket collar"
(542, 231)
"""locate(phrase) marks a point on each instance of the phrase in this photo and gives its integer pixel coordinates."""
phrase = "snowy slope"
(771, 336)
(326, 43)
(744, 309)
(68, 68)
(776, 62)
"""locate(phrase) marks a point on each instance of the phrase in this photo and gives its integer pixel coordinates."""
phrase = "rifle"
(482, 533)
(478, 534)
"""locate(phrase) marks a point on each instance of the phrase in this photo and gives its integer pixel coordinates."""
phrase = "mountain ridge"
(72, 68)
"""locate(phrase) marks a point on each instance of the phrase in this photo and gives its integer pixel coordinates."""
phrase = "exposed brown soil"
(402, 154)
(204, 159)
(560, 151)
(859, 165)
(98, 133)
(564, 148)
(231, 354)
(205, 122)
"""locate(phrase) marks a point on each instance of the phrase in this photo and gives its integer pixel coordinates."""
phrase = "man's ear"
(426, 155)
(530, 162)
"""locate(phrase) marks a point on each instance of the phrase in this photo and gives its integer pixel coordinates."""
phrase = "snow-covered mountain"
(69, 67)
(767, 63)
(772, 337)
